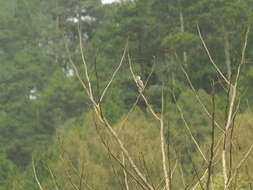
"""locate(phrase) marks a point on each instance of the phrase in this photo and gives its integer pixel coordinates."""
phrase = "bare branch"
(240, 164)
(100, 116)
(167, 179)
(210, 164)
(125, 173)
(150, 107)
(200, 179)
(35, 175)
(182, 174)
(81, 175)
(189, 130)
(53, 178)
(70, 180)
(231, 109)
(174, 169)
(121, 164)
(124, 150)
(75, 68)
(216, 148)
(114, 74)
(84, 64)
(243, 54)
(148, 172)
(196, 94)
(210, 57)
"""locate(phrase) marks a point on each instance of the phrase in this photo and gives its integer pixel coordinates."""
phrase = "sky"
(108, 1)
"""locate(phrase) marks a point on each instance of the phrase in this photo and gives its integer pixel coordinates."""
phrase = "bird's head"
(138, 77)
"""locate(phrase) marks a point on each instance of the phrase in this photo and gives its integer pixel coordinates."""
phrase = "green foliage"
(195, 118)
(7, 171)
(79, 145)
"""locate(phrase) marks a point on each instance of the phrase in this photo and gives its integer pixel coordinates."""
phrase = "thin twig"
(196, 94)
(210, 164)
(124, 150)
(210, 57)
(147, 169)
(70, 180)
(196, 173)
(114, 74)
(57, 187)
(75, 68)
(240, 164)
(75, 170)
(35, 175)
(121, 164)
(81, 175)
(173, 169)
(189, 130)
(84, 63)
(216, 148)
(125, 173)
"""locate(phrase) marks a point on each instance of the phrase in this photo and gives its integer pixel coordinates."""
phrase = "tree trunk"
(183, 30)
(227, 52)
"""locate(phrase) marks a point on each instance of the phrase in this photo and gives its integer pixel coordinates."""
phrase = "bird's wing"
(140, 84)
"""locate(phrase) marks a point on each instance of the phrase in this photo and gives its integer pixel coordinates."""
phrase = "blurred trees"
(33, 84)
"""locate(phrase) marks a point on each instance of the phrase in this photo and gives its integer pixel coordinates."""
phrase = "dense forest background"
(45, 114)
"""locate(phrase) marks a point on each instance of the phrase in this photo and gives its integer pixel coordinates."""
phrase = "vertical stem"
(35, 175)
(125, 173)
(167, 181)
(232, 97)
(210, 165)
(181, 16)
(227, 52)
(224, 165)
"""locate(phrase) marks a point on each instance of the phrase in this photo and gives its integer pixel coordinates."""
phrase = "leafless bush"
(221, 138)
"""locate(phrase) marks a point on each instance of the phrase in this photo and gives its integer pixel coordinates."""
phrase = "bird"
(139, 83)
